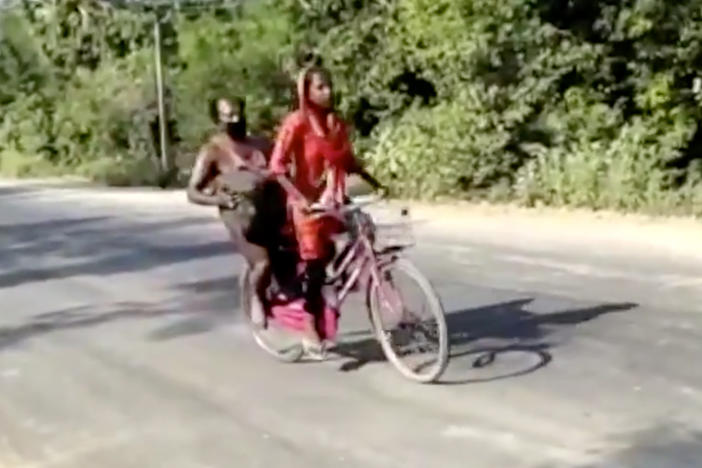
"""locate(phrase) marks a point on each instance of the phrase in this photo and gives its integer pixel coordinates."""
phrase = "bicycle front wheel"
(409, 321)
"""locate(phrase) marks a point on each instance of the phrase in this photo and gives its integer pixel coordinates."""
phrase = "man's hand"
(224, 200)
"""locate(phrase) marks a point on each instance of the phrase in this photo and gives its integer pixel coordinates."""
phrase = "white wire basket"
(393, 228)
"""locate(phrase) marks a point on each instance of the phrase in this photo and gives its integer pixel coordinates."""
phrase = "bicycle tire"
(437, 312)
(292, 354)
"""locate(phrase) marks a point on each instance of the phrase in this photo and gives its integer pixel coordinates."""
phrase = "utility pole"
(162, 117)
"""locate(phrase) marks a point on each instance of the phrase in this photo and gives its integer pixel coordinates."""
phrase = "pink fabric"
(295, 317)
(292, 316)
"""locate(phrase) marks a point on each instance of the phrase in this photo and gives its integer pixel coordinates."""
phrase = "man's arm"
(199, 180)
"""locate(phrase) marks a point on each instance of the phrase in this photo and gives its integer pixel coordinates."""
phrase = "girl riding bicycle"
(314, 140)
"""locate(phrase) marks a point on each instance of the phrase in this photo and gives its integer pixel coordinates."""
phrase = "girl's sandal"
(315, 351)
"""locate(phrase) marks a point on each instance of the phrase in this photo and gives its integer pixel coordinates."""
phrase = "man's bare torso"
(228, 156)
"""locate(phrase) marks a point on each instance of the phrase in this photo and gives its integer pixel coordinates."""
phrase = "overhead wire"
(177, 5)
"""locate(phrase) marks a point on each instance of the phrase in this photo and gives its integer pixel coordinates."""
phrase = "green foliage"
(622, 173)
(83, 33)
(580, 103)
(78, 101)
(81, 93)
(239, 57)
(449, 149)
(24, 67)
(104, 118)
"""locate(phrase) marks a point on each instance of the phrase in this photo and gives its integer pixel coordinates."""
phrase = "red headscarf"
(333, 142)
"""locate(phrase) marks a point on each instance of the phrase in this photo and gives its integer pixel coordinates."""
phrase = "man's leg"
(260, 275)
(258, 261)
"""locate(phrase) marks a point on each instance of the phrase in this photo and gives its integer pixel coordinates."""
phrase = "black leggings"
(259, 259)
(314, 286)
(268, 261)
(317, 293)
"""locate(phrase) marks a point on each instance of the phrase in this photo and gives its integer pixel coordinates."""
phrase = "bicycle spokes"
(415, 337)
(411, 326)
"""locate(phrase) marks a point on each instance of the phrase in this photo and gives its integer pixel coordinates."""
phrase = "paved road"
(121, 346)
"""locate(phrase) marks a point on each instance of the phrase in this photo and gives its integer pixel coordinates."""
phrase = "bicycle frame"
(362, 252)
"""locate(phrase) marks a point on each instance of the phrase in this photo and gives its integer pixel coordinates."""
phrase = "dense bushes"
(82, 77)
(582, 102)
(238, 55)
(82, 97)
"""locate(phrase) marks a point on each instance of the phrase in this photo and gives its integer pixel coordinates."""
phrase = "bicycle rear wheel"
(412, 330)
(274, 339)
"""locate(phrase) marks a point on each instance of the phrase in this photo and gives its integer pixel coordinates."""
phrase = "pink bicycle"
(407, 321)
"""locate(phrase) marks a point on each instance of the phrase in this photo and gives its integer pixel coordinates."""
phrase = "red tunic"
(319, 171)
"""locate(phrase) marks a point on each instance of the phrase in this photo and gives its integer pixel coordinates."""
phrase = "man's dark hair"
(236, 102)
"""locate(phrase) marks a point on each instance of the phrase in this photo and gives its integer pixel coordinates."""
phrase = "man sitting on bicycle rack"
(229, 173)
(315, 141)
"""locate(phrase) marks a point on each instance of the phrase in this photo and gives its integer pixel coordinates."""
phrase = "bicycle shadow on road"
(483, 339)
(13, 191)
(358, 349)
(81, 317)
(210, 304)
(204, 306)
(508, 331)
(488, 343)
(94, 246)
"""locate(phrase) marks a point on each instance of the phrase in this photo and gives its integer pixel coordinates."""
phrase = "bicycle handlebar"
(316, 208)
(321, 210)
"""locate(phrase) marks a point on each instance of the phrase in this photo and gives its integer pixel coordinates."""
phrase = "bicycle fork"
(388, 296)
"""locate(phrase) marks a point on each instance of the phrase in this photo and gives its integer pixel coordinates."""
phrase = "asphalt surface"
(121, 345)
